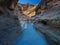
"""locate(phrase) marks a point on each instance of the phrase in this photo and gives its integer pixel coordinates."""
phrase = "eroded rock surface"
(10, 28)
(48, 22)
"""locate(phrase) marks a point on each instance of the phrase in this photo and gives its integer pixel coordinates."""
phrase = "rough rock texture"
(48, 22)
(10, 4)
(25, 6)
(45, 4)
(27, 9)
(10, 28)
(22, 17)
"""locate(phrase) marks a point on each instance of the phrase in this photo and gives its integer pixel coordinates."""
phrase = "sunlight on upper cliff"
(31, 10)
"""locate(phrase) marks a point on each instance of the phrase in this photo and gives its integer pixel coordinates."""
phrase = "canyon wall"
(10, 28)
(45, 5)
(47, 20)
(28, 9)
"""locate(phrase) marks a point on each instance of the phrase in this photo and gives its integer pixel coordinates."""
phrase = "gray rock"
(48, 23)
(10, 28)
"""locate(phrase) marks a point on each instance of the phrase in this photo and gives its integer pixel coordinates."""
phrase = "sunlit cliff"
(28, 9)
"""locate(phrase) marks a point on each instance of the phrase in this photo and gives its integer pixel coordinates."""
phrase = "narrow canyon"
(30, 24)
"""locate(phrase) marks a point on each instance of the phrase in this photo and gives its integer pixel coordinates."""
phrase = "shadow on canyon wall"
(10, 28)
(46, 21)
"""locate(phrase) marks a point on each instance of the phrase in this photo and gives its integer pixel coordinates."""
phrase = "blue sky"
(29, 1)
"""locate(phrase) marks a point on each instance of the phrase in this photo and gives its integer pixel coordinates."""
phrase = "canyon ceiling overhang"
(10, 4)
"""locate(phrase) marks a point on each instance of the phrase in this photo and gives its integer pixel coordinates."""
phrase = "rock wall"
(27, 9)
(24, 19)
(10, 28)
(45, 5)
(48, 22)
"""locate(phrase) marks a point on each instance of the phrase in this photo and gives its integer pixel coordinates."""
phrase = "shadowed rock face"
(46, 4)
(48, 22)
(8, 3)
(10, 28)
